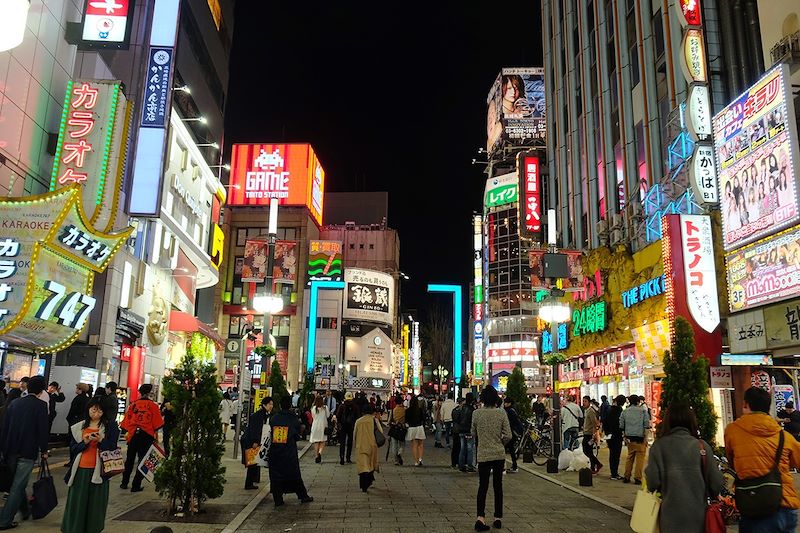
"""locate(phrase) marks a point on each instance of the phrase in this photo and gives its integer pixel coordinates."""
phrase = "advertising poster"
(755, 141)
(516, 107)
(292, 173)
(370, 296)
(783, 394)
(152, 461)
(284, 269)
(324, 261)
(765, 271)
(254, 267)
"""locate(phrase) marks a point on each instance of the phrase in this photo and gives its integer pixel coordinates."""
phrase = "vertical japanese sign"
(699, 271)
(145, 184)
(157, 87)
(528, 166)
(477, 314)
(703, 174)
(92, 139)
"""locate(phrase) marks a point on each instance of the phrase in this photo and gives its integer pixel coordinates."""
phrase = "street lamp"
(201, 120)
(212, 145)
(441, 373)
(13, 17)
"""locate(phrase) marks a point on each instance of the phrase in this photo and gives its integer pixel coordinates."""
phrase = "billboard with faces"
(516, 107)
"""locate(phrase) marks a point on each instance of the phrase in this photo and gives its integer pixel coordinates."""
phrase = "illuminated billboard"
(324, 261)
(529, 168)
(369, 296)
(765, 271)
(501, 190)
(755, 140)
(516, 107)
(107, 23)
(292, 173)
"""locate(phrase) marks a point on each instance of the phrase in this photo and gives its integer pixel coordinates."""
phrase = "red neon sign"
(691, 11)
(80, 123)
(533, 201)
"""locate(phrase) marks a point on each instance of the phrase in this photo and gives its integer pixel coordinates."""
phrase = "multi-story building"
(130, 334)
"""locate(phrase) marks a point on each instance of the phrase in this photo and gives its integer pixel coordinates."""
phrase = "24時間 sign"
(369, 296)
(755, 140)
(765, 271)
(529, 186)
(292, 173)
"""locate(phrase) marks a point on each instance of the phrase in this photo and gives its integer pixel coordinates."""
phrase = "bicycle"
(729, 512)
(536, 439)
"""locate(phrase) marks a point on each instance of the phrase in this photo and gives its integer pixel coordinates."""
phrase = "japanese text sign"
(694, 57)
(721, 377)
(107, 23)
(755, 140)
(703, 174)
(689, 12)
(529, 185)
(589, 319)
(90, 142)
(501, 190)
(157, 87)
(369, 296)
(699, 271)
(292, 173)
(324, 261)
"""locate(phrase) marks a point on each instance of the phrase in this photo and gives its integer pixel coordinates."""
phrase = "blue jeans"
(437, 436)
(784, 521)
(17, 499)
(466, 456)
(570, 435)
(448, 430)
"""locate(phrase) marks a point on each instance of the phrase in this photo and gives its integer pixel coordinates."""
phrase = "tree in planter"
(307, 392)
(517, 390)
(687, 379)
(277, 383)
(193, 473)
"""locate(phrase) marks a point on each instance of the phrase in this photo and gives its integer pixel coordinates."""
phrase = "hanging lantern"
(13, 15)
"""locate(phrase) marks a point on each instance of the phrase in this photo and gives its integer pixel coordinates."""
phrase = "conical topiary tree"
(307, 392)
(193, 472)
(277, 383)
(517, 390)
(687, 379)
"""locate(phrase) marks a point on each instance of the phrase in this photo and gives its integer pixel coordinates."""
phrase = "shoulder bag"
(715, 523)
(111, 463)
(646, 508)
(380, 439)
(44, 498)
(761, 496)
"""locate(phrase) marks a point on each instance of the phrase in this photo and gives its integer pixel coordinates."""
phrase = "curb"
(574, 489)
(239, 519)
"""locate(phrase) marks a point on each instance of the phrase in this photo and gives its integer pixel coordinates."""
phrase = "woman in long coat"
(366, 448)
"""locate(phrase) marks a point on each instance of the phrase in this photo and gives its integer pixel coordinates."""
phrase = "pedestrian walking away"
(168, 414)
(466, 452)
(111, 401)
(415, 434)
(142, 422)
(683, 469)
(77, 408)
(591, 427)
(252, 438)
(614, 435)
(345, 418)
(517, 429)
(319, 427)
(634, 422)
(366, 447)
(438, 423)
(455, 452)
(491, 428)
(226, 410)
(87, 498)
(570, 422)
(23, 440)
(447, 417)
(284, 470)
(397, 431)
(762, 455)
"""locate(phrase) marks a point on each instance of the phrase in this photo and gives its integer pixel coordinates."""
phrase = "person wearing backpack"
(457, 430)
(762, 453)
(346, 417)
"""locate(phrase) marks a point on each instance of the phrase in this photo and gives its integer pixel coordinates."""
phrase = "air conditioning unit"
(636, 211)
(616, 222)
(602, 228)
(616, 237)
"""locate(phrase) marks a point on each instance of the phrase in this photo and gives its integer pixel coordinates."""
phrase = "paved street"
(430, 498)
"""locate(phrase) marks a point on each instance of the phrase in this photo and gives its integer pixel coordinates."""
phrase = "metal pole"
(242, 405)
(556, 400)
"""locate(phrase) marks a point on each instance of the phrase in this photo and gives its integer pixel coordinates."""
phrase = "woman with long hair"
(683, 468)
(319, 424)
(415, 434)
(226, 408)
(87, 499)
(492, 431)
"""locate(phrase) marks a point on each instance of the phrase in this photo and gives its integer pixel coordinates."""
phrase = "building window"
(641, 160)
(658, 33)
(361, 246)
(352, 246)
(371, 246)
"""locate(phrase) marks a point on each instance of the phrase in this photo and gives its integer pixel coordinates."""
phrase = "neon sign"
(648, 289)
(590, 319)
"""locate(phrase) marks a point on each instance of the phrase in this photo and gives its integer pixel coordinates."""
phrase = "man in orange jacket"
(142, 422)
(751, 444)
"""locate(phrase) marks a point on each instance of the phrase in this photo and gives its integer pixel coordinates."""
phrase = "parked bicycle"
(536, 439)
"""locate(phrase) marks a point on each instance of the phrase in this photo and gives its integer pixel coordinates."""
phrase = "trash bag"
(579, 460)
(564, 459)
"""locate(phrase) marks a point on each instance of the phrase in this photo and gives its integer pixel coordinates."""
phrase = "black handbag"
(6, 476)
(44, 498)
(397, 431)
(761, 496)
(380, 439)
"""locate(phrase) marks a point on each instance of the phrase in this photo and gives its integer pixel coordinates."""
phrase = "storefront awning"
(179, 321)
(561, 385)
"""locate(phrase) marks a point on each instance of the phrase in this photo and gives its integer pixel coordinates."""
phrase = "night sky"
(393, 98)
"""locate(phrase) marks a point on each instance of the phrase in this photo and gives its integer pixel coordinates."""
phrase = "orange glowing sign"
(292, 173)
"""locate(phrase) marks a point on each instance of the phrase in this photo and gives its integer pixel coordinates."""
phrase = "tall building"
(153, 76)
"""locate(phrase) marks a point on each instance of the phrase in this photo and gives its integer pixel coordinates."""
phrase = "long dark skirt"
(365, 479)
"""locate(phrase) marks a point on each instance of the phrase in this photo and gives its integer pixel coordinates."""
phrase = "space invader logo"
(266, 161)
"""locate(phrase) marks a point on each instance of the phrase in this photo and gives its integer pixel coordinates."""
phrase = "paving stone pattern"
(434, 497)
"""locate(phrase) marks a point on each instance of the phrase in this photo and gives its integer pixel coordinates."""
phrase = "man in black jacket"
(517, 429)
(23, 440)
(251, 438)
(457, 431)
(56, 396)
(611, 428)
(111, 402)
(284, 465)
(466, 456)
(346, 417)
(77, 409)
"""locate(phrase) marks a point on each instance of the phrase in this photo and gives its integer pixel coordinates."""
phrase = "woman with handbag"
(319, 427)
(682, 467)
(366, 446)
(87, 499)
(397, 430)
